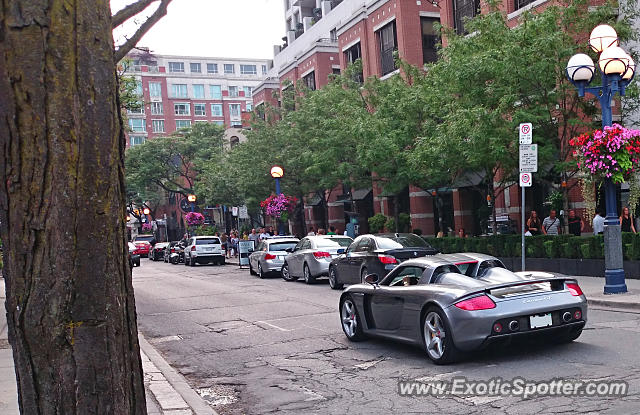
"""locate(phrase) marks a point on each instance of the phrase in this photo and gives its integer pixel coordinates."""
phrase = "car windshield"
(333, 242)
(401, 241)
(282, 246)
(145, 238)
(207, 241)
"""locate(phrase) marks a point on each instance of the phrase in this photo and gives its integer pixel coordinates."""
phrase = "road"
(265, 346)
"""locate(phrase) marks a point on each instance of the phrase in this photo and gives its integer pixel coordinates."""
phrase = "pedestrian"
(245, 237)
(626, 221)
(311, 231)
(332, 230)
(270, 231)
(321, 231)
(576, 224)
(224, 239)
(534, 223)
(440, 234)
(253, 236)
(263, 234)
(551, 224)
(461, 233)
(598, 223)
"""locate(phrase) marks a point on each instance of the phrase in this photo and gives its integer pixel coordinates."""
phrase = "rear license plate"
(208, 249)
(542, 320)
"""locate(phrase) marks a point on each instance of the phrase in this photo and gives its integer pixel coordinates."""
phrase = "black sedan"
(375, 254)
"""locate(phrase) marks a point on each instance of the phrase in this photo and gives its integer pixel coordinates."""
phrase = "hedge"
(540, 246)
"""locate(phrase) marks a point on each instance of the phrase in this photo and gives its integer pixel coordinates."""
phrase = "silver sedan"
(268, 256)
(311, 257)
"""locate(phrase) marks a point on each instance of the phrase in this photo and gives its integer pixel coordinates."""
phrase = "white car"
(203, 250)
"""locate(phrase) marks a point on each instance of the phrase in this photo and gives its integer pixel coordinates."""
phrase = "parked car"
(168, 250)
(134, 255)
(375, 254)
(311, 257)
(203, 250)
(157, 251)
(268, 256)
(144, 243)
(429, 302)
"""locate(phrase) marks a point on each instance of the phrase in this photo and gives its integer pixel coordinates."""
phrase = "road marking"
(274, 326)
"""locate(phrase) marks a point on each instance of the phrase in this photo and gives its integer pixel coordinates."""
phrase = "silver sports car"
(430, 302)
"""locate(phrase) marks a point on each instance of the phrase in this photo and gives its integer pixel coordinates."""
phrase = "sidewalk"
(593, 288)
(167, 392)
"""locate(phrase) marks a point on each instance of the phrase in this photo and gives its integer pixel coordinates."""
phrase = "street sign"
(244, 249)
(526, 179)
(234, 211)
(529, 158)
(526, 133)
(243, 213)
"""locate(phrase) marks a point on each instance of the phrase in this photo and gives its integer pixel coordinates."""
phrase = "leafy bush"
(417, 231)
(550, 249)
(585, 250)
(377, 222)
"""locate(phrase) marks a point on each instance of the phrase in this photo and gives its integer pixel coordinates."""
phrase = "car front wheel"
(437, 338)
(308, 278)
(333, 279)
(350, 319)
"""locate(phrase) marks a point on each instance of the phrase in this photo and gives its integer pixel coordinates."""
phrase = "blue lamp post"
(617, 70)
(277, 173)
(192, 201)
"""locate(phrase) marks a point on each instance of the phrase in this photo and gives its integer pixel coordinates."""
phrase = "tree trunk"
(70, 305)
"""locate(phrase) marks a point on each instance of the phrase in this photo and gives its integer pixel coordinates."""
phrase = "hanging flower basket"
(279, 206)
(194, 219)
(611, 153)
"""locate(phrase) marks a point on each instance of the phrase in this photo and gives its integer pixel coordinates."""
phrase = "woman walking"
(534, 224)
(626, 221)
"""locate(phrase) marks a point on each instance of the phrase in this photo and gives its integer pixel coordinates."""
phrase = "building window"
(521, 3)
(195, 68)
(236, 124)
(248, 70)
(430, 40)
(249, 107)
(137, 125)
(176, 66)
(351, 55)
(183, 124)
(212, 68)
(139, 109)
(136, 140)
(388, 45)
(216, 110)
(215, 91)
(155, 89)
(310, 80)
(157, 108)
(264, 69)
(229, 68)
(182, 109)
(248, 91)
(199, 110)
(234, 110)
(218, 122)
(233, 91)
(335, 71)
(139, 88)
(158, 126)
(198, 91)
(179, 91)
(463, 10)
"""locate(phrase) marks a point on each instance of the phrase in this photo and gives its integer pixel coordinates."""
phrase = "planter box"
(586, 267)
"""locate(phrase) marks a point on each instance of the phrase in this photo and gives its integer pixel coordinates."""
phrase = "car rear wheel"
(568, 337)
(192, 261)
(221, 261)
(308, 278)
(251, 271)
(286, 275)
(333, 279)
(350, 319)
(436, 336)
(260, 273)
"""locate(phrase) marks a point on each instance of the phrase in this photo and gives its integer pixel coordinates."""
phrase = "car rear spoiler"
(557, 284)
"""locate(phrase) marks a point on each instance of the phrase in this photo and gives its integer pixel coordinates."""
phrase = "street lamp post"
(277, 173)
(192, 201)
(617, 70)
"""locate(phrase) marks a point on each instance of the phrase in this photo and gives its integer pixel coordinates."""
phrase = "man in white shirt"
(263, 234)
(598, 223)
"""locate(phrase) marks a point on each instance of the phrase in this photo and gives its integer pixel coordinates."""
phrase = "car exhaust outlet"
(566, 317)
(514, 325)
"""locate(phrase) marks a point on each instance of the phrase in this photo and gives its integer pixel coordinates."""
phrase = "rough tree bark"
(70, 305)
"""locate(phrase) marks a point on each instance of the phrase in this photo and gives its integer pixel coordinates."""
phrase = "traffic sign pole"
(528, 165)
(522, 189)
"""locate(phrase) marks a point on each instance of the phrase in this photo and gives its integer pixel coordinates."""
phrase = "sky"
(220, 28)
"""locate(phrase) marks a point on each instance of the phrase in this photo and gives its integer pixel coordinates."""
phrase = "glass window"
(137, 125)
(183, 124)
(158, 126)
(333, 242)
(212, 68)
(248, 69)
(218, 122)
(199, 109)
(139, 88)
(264, 69)
(466, 9)
(139, 109)
(310, 80)
(229, 68)
(207, 241)
(195, 68)
(155, 89)
(182, 109)
(521, 3)
(233, 91)
(216, 110)
(157, 108)
(249, 107)
(430, 39)
(198, 91)
(406, 276)
(215, 91)
(281, 246)
(135, 140)
(248, 91)
(234, 110)
(388, 45)
(363, 245)
(179, 91)
(176, 66)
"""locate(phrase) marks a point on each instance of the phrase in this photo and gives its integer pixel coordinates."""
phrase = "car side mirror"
(289, 250)
(371, 279)
(341, 251)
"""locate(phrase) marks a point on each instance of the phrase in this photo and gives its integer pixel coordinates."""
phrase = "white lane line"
(273, 325)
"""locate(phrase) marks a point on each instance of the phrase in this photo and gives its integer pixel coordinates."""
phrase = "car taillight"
(173, 250)
(574, 289)
(481, 302)
(193, 248)
(387, 259)
(321, 254)
(269, 256)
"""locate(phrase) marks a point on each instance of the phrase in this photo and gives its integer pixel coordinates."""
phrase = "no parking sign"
(526, 180)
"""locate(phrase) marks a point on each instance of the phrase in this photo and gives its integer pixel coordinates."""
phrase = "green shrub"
(404, 222)
(417, 231)
(390, 225)
(585, 250)
(627, 251)
(377, 222)
(550, 249)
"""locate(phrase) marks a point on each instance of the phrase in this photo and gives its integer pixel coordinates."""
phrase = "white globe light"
(277, 172)
(614, 61)
(631, 69)
(602, 38)
(580, 67)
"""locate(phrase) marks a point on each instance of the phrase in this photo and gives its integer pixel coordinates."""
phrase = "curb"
(619, 305)
(177, 384)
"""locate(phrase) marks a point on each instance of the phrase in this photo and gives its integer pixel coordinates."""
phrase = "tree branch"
(130, 43)
(129, 11)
